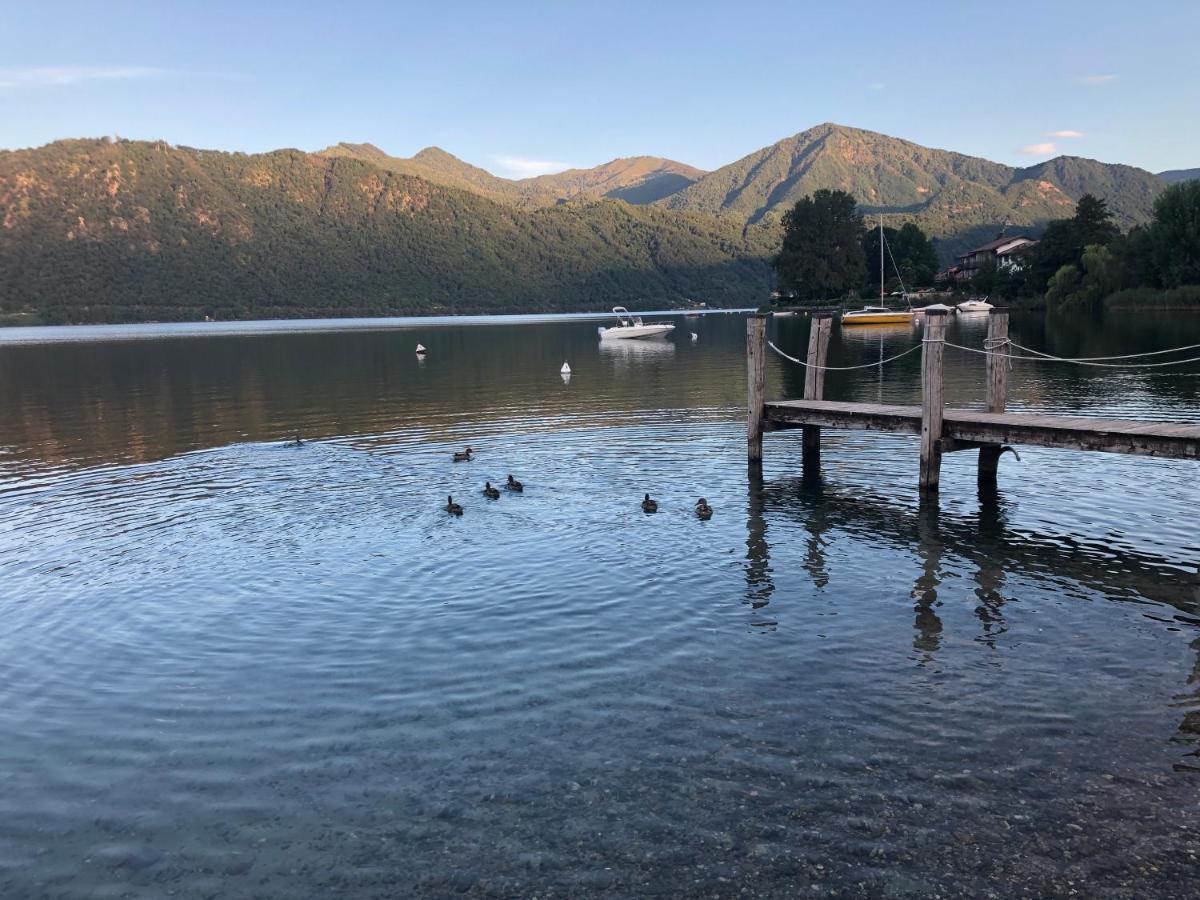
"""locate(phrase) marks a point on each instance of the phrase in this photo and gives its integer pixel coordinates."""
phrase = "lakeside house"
(1004, 251)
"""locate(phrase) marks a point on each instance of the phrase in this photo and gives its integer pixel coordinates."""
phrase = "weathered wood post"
(932, 397)
(814, 384)
(756, 376)
(997, 387)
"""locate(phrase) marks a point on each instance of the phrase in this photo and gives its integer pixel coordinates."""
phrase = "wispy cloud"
(1065, 133)
(877, 85)
(1097, 79)
(54, 76)
(520, 167)
(1037, 149)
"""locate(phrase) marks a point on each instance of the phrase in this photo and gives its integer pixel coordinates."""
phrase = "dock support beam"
(997, 388)
(756, 376)
(932, 399)
(814, 385)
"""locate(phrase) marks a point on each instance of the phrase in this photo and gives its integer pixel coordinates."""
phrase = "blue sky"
(521, 88)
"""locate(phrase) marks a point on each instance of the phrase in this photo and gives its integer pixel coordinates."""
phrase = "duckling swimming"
(490, 492)
(453, 508)
(649, 505)
(703, 510)
(463, 456)
(513, 485)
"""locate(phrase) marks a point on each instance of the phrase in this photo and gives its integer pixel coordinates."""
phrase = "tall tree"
(822, 255)
(1174, 235)
(1064, 240)
(915, 260)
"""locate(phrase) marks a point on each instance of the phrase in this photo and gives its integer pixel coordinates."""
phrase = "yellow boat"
(877, 315)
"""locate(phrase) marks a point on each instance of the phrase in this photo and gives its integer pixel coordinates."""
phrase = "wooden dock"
(942, 430)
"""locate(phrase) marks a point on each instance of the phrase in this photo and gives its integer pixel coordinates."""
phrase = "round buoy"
(695, 337)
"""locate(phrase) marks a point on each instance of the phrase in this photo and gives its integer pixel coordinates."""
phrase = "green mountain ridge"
(639, 179)
(93, 230)
(957, 199)
(96, 230)
(1175, 175)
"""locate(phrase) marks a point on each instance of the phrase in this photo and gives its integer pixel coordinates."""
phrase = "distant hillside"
(639, 180)
(959, 199)
(99, 231)
(1175, 175)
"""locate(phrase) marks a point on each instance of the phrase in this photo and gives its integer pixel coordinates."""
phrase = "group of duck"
(703, 510)
(489, 490)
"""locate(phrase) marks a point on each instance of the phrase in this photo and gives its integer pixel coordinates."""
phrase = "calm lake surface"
(235, 668)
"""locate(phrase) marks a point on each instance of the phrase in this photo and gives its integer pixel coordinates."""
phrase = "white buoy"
(420, 349)
(565, 370)
(695, 337)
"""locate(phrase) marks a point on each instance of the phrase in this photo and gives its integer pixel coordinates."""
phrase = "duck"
(463, 456)
(649, 505)
(297, 442)
(453, 508)
(703, 510)
(513, 485)
(490, 492)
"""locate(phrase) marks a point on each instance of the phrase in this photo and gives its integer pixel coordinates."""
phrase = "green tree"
(1063, 242)
(1174, 235)
(1097, 275)
(916, 261)
(822, 255)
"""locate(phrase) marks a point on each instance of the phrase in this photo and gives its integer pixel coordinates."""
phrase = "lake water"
(235, 668)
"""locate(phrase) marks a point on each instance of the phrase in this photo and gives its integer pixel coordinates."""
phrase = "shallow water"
(235, 668)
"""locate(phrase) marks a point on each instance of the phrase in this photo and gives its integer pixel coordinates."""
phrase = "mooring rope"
(1081, 362)
(993, 345)
(882, 362)
(1103, 358)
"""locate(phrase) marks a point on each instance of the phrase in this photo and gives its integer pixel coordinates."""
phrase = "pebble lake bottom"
(233, 668)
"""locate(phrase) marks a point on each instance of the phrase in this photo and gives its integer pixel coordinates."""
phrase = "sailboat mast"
(881, 259)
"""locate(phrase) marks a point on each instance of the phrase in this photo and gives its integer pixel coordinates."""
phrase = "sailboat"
(878, 315)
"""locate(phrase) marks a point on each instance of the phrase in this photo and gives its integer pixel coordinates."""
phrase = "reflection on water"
(235, 668)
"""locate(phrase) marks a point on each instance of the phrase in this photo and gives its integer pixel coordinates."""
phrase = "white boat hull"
(635, 332)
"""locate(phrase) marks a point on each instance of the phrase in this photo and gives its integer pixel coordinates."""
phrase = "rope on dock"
(1103, 358)
(1086, 362)
(882, 362)
(993, 346)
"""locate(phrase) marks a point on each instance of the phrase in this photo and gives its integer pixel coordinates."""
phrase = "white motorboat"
(975, 305)
(631, 326)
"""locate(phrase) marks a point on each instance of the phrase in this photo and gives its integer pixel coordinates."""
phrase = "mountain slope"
(102, 231)
(638, 180)
(1175, 175)
(953, 196)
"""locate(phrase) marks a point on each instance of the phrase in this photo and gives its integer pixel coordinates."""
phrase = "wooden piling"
(997, 388)
(756, 376)
(814, 384)
(932, 398)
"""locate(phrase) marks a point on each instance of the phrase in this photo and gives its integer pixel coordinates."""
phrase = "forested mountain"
(638, 179)
(957, 198)
(92, 230)
(1174, 175)
(98, 230)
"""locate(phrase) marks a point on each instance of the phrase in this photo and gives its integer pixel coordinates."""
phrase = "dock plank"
(1172, 440)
